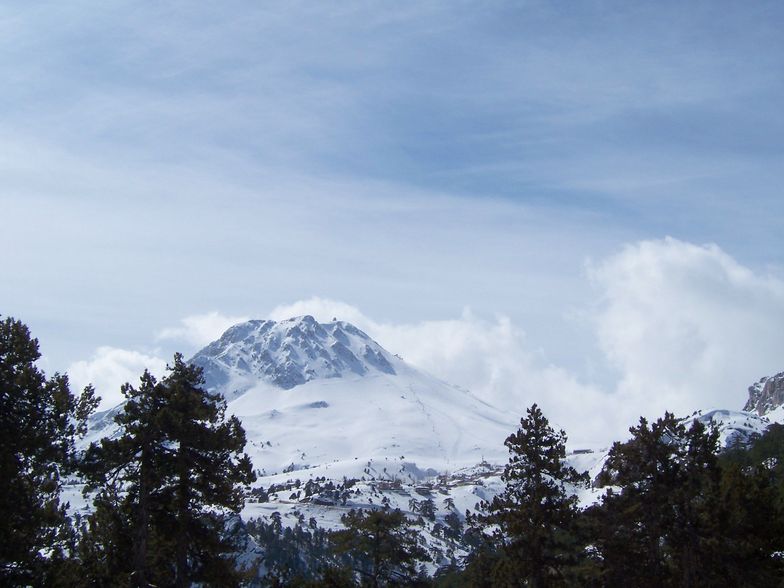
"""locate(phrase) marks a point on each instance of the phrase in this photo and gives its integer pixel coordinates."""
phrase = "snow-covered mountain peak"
(289, 353)
(325, 397)
(317, 395)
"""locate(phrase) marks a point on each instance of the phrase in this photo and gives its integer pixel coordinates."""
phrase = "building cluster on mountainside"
(171, 498)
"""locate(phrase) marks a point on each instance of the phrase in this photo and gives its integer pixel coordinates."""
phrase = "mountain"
(766, 396)
(734, 426)
(288, 354)
(327, 399)
(325, 395)
(334, 421)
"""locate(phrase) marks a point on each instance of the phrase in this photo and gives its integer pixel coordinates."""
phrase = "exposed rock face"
(291, 352)
(766, 395)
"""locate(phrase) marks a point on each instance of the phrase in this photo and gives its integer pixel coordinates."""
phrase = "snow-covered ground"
(344, 423)
(735, 425)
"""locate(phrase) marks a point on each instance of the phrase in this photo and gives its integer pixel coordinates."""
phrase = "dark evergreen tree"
(179, 469)
(662, 527)
(105, 541)
(752, 528)
(752, 520)
(299, 555)
(534, 543)
(39, 419)
(128, 470)
(384, 549)
(485, 553)
(428, 509)
(205, 470)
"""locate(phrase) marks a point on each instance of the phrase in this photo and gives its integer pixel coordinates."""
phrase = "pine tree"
(128, 471)
(105, 541)
(179, 469)
(752, 517)
(39, 419)
(663, 526)
(208, 469)
(534, 515)
(384, 549)
(751, 522)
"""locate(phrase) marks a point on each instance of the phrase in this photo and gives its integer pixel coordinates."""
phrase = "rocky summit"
(288, 353)
(766, 395)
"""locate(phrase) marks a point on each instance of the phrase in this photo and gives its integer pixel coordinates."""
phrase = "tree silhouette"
(533, 517)
(178, 468)
(39, 419)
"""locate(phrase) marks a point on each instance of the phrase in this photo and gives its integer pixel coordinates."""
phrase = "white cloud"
(684, 327)
(323, 310)
(469, 351)
(687, 326)
(200, 329)
(109, 368)
(492, 358)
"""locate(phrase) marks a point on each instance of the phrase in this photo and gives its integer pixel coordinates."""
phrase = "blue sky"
(167, 160)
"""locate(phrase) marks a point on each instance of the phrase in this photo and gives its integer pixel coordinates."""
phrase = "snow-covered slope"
(408, 417)
(734, 426)
(327, 397)
(326, 408)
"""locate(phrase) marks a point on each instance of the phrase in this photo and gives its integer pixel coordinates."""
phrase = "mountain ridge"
(288, 353)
